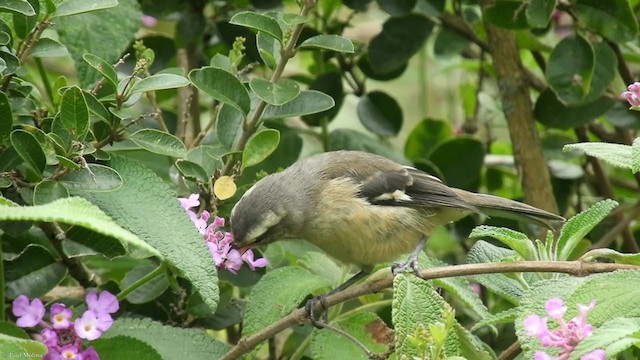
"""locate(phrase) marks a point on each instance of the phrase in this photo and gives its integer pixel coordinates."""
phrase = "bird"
(360, 208)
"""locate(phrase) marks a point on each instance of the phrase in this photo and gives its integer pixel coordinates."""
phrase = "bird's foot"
(410, 265)
(311, 305)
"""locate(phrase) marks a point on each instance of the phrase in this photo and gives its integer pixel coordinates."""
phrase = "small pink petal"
(555, 308)
(541, 355)
(594, 355)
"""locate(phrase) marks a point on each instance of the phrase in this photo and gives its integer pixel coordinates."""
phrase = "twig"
(300, 316)
(511, 352)
(208, 127)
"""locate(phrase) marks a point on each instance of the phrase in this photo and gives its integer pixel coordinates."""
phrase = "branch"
(377, 284)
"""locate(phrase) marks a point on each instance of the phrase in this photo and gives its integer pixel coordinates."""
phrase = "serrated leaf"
(33, 272)
(14, 345)
(159, 142)
(276, 94)
(150, 290)
(308, 102)
(367, 327)
(224, 187)
(159, 82)
(74, 112)
(615, 154)
(506, 316)
(416, 305)
(576, 228)
(484, 252)
(46, 47)
(570, 69)
(82, 242)
(259, 147)
(221, 85)
(614, 336)
(633, 258)
(74, 211)
(19, 6)
(515, 240)
(329, 42)
(94, 177)
(267, 303)
(125, 347)
(260, 22)
(29, 149)
(170, 342)
(93, 32)
(147, 206)
(103, 67)
(73, 7)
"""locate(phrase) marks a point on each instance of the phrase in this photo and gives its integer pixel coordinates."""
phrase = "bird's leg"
(412, 261)
(310, 306)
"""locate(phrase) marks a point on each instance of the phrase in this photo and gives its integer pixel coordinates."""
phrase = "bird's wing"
(406, 186)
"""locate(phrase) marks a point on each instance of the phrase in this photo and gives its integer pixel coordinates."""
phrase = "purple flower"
(567, 336)
(90, 354)
(91, 325)
(149, 21)
(192, 201)
(29, 313)
(105, 303)
(60, 316)
(49, 337)
(70, 352)
(253, 264)
(633, 95)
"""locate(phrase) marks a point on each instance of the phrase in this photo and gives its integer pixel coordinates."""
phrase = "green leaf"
(615, 154)
(221, 85)
(515, 240)
(48, 191)
(46, 47)
(553, 113)
(74, 211)
(633, 259)
(367, 327)
(348, 139)
(94, 33)
(73, 7)
(397, 7)
(82, 242)
(539, 12)
(508, 14)
(150, 290)
(380, 113)
(276, 94)
(74, 112)
(159, 82)
(635, 156)
(170, 342)
(424, 138)
(6, 118)
(260, 22)
(191, 170)
(29, 149)
(416, 305)
(209, 157)
(18, 6)
(94, 177)
(308, 102)
(570, 69)
(613, 19)
(14, 345)
(460, 161)
(329, 42)
(614, 336)
(24, 24)
(400, 39)
(259, 147)
(269, 49)
(124, 347)
(147, 206)
(268, 303)
(229, 125)
(576, 228)
(605, 70)
(506, 316)
(33, 272)
(330, 83)
(107, 70)
(507, 287)
(159, 142)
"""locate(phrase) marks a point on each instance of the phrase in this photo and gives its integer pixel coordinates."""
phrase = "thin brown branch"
(511, 352)
(379, 283)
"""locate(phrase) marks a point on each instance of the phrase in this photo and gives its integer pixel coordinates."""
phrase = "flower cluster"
(63, 336)
(218, 242)
(633, 95)
(568, 336)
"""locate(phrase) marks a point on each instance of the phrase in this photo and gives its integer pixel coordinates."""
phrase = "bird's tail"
(505, 208)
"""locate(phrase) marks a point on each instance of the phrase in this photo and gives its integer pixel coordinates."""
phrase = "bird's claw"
(409, 265)
(310, 306)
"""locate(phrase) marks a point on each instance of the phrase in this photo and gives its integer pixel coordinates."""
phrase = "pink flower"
(541, 355)
(253, 264)
(555, 308)
(192, 201)
(633, 95)
(29, 313)
(60, 316)
(49, 337)
(149, 21)
(90, 326)
(90, 354)
(105, 303)
(535, 325)
(594, 355)
(70, 352)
